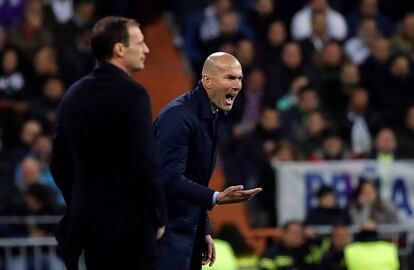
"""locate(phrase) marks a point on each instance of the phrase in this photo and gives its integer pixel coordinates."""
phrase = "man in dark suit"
(103, 158)
(187, 133)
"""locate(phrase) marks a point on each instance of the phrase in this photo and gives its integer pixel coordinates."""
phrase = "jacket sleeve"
(61, 165)
(173, 131)
(143, 155)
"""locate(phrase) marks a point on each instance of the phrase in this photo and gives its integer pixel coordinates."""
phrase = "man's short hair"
(107, 32)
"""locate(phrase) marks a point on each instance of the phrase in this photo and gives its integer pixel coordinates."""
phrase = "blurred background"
(324, 123)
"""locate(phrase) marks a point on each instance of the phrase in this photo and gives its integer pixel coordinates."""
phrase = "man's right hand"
(235, 194)
(160, 232)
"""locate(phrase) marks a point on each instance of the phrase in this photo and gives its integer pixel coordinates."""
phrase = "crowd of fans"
(323, 80)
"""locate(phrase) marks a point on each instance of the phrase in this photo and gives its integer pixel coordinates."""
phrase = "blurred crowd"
(323, 80)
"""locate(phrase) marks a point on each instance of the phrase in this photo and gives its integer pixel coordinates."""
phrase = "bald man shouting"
(187, 132)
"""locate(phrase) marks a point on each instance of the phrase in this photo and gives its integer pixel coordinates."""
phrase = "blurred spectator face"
(408, 26)
(359, 99)
(319, 24)
(30, 171)
(292, 55)
(10, 61)
(350, 75)
(332, 54)
(400, 67)
(327, 200)
(269, 119)
(222, 6)
(381, 49)
(264, 7)
(43, 147)
(85, 11)
(276, 33)
(53, 89)
(340, 237)
(316, 124)
(368, 29)
(45, 61)
(309, 100)
(33, 14)
(229, 23)
(284, 153)
(332, 146)
(409, 121)
(245, 52)
(256, 81)
(369, 7)
(368, 193)
(30, 130)
(293, 236)
(385, 141)
(319, 5)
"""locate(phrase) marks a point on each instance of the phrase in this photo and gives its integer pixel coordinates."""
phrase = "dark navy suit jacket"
(104, 162)
(187, 140)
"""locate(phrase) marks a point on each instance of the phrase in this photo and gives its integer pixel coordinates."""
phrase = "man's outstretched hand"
(235, 194)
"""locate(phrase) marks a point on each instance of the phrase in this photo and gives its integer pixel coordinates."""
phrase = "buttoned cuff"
(214, 199)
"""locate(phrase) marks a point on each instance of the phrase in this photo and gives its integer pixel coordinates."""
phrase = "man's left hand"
(209, 255)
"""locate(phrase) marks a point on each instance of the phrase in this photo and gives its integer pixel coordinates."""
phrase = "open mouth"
(230, 97)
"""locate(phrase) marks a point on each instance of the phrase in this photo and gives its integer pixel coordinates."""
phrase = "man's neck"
(119, 65)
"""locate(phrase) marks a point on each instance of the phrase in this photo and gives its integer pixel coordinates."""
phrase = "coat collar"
(112, 68)
(202, 102)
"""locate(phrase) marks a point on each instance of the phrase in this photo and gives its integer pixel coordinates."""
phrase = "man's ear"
(207, 81)
(119, 49)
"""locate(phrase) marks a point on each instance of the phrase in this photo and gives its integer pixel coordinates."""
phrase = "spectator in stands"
(359, 122)
(30, 34)
(318, 38)
(334, 258)
(245, 257)
(358, 47)
(30, 174)
(280, 76)
(290, 253)
(45, 64)
(13, 77)
(403, 40)
(369, 8)
(232, 30)
(246, 53)
(29, 131)
(301, 23)
(367, 207)
(77, 58)
(315, 126)
(328, 67)
(397, 94)
(246, 110)
(406, 135)
(295, 117)
(385, 146)
(257, 146)
(375, 68)
(266, 203)
(333, 147)
(261, 16)
(368, 252)
(270, 50)
(84, 14)
(45, 107)
(201, 29)
(327, 212)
